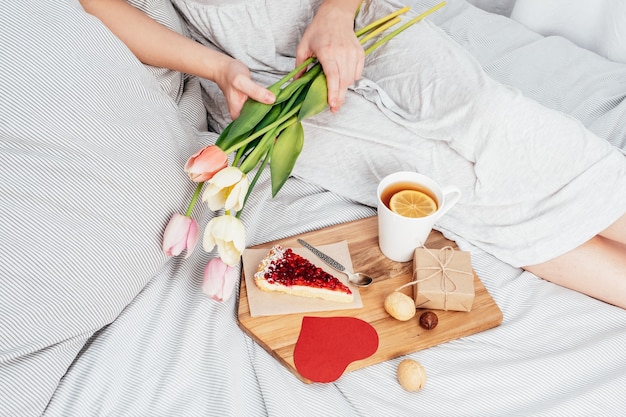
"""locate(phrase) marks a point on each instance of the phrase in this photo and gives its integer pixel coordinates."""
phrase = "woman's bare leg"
(596, 268)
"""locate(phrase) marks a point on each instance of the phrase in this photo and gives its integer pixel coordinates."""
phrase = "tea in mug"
(409, 199)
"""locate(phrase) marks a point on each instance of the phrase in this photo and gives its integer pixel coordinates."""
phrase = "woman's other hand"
(330, 38)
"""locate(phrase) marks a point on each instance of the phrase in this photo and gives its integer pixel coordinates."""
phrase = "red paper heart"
(327, 345)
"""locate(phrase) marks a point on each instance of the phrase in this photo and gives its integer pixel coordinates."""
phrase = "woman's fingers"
(240, 87)
(342, 70)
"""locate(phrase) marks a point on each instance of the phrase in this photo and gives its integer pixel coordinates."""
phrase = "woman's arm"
(157, 45)
(330, 37)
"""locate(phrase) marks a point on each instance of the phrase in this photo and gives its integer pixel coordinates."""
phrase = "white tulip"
(229, 235)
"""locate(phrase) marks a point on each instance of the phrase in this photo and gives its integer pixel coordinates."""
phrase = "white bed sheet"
(172, 351)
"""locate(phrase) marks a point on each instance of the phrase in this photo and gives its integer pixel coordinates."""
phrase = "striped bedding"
(96, 321)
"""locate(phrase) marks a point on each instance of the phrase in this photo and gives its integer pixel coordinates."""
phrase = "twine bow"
(446, 283)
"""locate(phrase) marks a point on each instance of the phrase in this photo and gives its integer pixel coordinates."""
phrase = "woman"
(539, 191)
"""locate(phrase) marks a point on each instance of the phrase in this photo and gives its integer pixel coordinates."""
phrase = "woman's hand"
(233, 78)
(330, 38)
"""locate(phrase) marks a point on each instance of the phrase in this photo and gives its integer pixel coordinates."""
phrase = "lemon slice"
(412, 203)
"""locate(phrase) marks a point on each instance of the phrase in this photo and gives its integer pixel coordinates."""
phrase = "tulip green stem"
(252, 184)
(192, 203)
(280, 128)
(381, 21)
(293, 73)
(379, 30)
(404, 27)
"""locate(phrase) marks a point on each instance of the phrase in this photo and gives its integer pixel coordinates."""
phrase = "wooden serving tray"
(278, 334)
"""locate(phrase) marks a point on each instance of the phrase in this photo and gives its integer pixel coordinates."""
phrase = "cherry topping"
(292, 269)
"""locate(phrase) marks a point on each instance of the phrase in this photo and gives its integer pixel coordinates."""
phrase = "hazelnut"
(400, 306)
(411, 375)
(429, 320)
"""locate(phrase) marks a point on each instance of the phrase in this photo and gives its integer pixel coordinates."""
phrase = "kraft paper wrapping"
(444, 279)
(264, 303)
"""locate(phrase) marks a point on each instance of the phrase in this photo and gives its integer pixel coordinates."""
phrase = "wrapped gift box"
(444, 279)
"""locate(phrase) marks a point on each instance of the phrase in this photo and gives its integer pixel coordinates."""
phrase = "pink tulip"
(205, 163)
(219, 280)
(181, 233)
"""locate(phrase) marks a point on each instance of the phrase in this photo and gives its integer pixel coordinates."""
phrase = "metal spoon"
(359, 279)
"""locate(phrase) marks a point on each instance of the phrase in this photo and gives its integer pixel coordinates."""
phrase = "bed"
(96, 321)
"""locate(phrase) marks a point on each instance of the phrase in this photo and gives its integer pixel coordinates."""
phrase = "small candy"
(411, 375)
(429, 320)
(400, 306)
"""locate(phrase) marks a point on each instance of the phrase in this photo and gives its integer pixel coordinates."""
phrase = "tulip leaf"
(271, 116)
(259, 151)
(295, 101)
(316, 99)
(222, 137)
(251, 114)
(295, 85)
(225, 141)
(284, 154)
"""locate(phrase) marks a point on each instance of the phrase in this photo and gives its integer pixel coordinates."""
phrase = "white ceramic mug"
(398, 236)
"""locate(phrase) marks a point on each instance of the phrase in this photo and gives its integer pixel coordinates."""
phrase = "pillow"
(594, 25)
(92, 145)
(502, 7)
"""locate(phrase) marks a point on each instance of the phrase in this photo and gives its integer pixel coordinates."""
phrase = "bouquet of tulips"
(263, 134)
